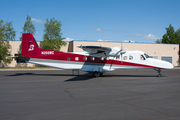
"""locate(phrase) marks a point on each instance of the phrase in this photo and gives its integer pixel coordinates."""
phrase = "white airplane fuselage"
(84, 62)
(96, 62)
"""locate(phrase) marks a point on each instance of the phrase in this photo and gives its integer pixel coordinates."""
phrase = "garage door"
(168, 59)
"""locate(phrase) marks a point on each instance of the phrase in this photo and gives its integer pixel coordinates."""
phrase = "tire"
(101, 74)
(159, 75)
(96, 74)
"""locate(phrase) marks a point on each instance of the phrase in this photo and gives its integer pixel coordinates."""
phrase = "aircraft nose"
(168, 65)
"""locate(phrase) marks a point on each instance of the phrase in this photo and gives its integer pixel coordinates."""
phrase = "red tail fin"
(29, 46)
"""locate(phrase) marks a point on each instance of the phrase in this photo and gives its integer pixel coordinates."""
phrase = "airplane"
(95, 59)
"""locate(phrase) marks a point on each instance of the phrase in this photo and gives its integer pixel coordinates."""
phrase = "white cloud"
(103, 40)
(98, 29)
(37, 20)
(68, 39)
(130, 41)
(150, 37)
(136, 35)
(105, 30)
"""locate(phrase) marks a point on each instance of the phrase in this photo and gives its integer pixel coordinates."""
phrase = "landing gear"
(159, 73)
(75, 72)
(97, 74)
(101, 74)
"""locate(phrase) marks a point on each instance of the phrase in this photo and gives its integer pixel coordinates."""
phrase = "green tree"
(7, 33)
(158, 41)
(52, 35)
(28, 28)
(171, 36)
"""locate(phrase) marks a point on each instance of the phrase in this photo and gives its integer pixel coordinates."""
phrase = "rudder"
(29, 46)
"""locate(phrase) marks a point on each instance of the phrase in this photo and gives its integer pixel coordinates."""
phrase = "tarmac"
(118, 95)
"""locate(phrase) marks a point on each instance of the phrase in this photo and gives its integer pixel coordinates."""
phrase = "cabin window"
(92, 58)
(117, 58)
(130, 57)
(76, 58)
(84, 58)
(68, 58)
(125, 58)
(107, 58)
(142, 57)
(147, 56)
(102, 58)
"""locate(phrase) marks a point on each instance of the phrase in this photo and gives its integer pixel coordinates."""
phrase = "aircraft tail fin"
(29, 45)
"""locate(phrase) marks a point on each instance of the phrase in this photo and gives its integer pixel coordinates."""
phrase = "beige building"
(168, 52)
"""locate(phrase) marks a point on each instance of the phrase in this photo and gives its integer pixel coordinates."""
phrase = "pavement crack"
(133, 92)
(70, 94)
(125, 102)
(141, 95)
(30, 101)
(162, 118)
(66, 91)
(132, 98)
(149, 109)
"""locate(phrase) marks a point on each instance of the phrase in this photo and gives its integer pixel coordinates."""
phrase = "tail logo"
(31, 48)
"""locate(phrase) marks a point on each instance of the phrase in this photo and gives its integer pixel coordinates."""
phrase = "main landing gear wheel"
(101, 74)
(159, 73)
(96, 74)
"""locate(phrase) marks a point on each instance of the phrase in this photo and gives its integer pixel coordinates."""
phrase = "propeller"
(122, 51)
(119, 52)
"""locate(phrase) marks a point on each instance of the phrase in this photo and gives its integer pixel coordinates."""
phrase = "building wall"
(158, 50)
(14, 50)
(64, 48)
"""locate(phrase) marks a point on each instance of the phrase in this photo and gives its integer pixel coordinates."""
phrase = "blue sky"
(100, 20)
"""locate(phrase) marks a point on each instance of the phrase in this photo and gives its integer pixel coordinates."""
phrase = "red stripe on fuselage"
(63, 57)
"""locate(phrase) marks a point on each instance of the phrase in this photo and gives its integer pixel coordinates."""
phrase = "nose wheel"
(159, 73)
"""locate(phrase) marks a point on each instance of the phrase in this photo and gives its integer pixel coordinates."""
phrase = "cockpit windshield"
(147, 56)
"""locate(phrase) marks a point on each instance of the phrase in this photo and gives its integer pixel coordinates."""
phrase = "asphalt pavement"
(117, 95)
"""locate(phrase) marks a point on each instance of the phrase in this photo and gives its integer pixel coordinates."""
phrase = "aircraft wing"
(97, 50)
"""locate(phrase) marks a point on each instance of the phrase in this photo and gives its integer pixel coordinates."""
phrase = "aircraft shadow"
(130, 76)
(82, 77)
(21, 74)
